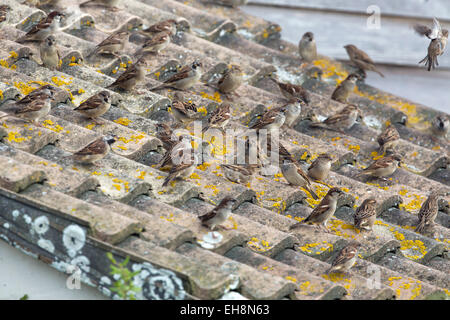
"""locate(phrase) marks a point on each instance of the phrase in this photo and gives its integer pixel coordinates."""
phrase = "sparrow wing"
(361, 55)
(336, 118)
(345, 255)
(115, 38)
(241, 169)
(33, 106)
(159, 27)
(43, 24)
(183, 73)
(208, 216)
(220, 115)
(364, 212)
(91, 103)
(267, 118)
(323, 206)
(130, 73)
(98, 146)
(389, 134)
(379, 164)
(156, 40)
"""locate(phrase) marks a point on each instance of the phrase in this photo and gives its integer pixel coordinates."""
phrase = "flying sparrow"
(4, 9)
(307, 47)
(184, 79)
(219, 118)
(271, 120)
(428, 212)
(182, 170)
(292, 92)
(344, 89)
(320, 168)
(440, 126)
(183, 111)
(439, 39)
(113, 44)
(95, 106)
(324, 210)
(106, 3)
(94, 151)
(44, 28)
(163, 26)
(237, 173)
(345, 259)
(155, 44)
(131, 77)
(176, 151)
(296, 176)
(388, 139)
(231, 79)
(219, 214)
(382, 167)
(50, 55)
(366, 214)
(342, 120)
(361, 59)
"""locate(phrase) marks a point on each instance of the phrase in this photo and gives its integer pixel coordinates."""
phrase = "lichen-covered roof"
(67, 214)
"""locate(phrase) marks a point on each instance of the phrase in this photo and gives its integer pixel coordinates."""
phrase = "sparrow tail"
(379, 72)
(313, 194)
(421, 226)
(168, 179)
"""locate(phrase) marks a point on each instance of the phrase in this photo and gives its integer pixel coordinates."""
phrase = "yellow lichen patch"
(202, 110)
(259, 245)
(194, 176)
(414, 204)
(235, 225)
(26, 88)
(213, 188)
(142, 175)
(61, 82)
(320, 190)
(377, 185)
(214, 97)
(343, 229)
(375, 156)
(169, 218)
(289, 278)
(413, 249)
(15, 137)
(316, 248)
(49, 124)
(123, 121)
(90, 126)
(203, 166)
(331, 69)
(96, 173)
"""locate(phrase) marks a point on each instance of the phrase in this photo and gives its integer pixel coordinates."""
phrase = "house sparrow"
(344, 89)
(342, 120)
(130, 78)
(388, 139)
(440, 126)
(4, 9)
(219, 118)
(428, 212)
(439, 39)
(35, 109)
(231, 79)
(183, 111)
(166, 25)
(219, 214)
(231, 3)
(320, 168)
(39, 93)
(50, 55)
(106, 3)
(113, 44)
(382, 167)
(165, 134)
(307, 47)
(155, 44)
(366, 214)
(44, 28)
(292, 92)
(324, 210)
(237, 173)
(95, 106)
(271, 120)
(184, 79)
(293, 110)
(182, 170)
(94, 151)
(176, 152)
(296, 176)
(361, 59)
(345, 259)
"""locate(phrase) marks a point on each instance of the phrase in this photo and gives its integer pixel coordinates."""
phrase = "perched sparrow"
(94, 151)
(366, 214)
(220, 117)
(50, 55)
(183, 111)
(154, 45)
(166, 25)
(344, 89)
(95, 106)
(382, 167)
(239, 173)
(130, 78)
(293, 110)
(439, 39)
(106, 3)
(44, 28)
(320, 168)
(219, 214)
(271, 120)
(307, 47)
(342, 120)
(4, 12)
(165, 134)
(177, 151)
(184, 79)
(345, 259)
(388, 139)
(295, 176)
(361, 59)
(440, 126)
(293, 92)
(231, 79)
(324, 210)
(37, 108)
(428, 212)
(182, 170)
(231, 3)
(113, 44)
(39, 93)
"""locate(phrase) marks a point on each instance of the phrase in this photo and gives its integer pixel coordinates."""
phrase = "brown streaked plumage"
(343, 90)
(388, 139)
(95, 106)
(113, 44)
(340, 121)
(361, 59)
(439, 40)
(294, 175)
(366, 214)
(219, 214)
(184, 79)
(320, 167)
(48, 25)
(155, 44)
(345, 259)
(94, 151)
(428, 212)
(271, 120)
(166, 25)
(231, 80)
(4, 9)
(382, 167)
(182, 170)
(293, 91)
(239, 173)
(130, 77)
(219, 118)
